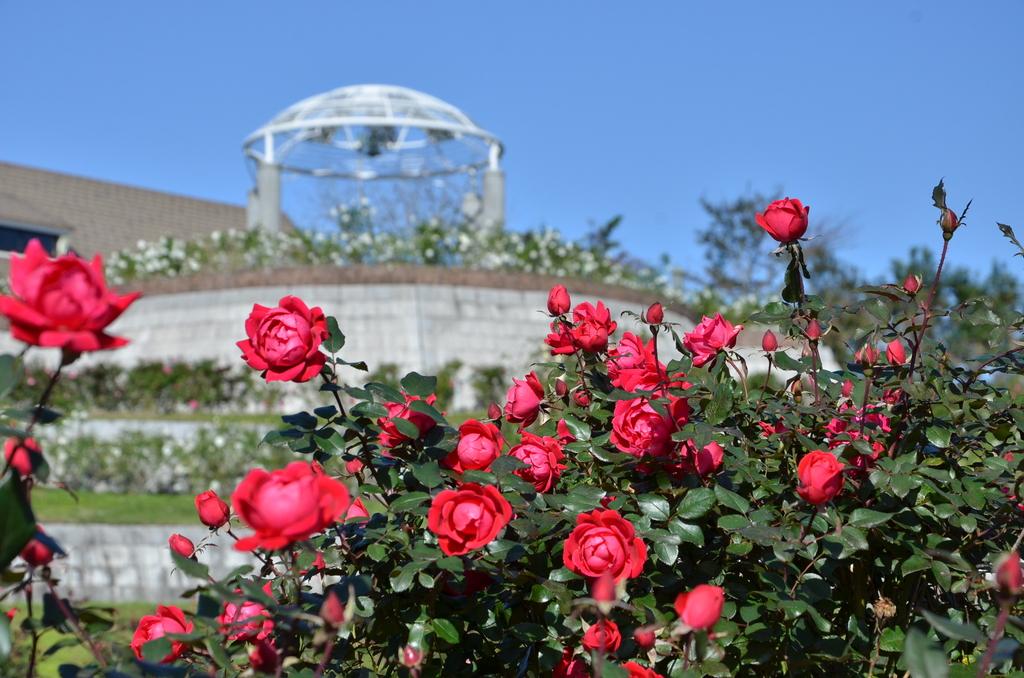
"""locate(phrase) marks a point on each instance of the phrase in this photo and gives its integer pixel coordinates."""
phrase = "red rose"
(479, 445)
(246, 620)
(593, 326)
(637, 671)
(700, 608)
(264, 657)
(543, 458)
(168, 619)
(785, 220)
(523, 400)
(22, 455)
(468, 518)
(565, 436)
(37, 552)
(632, 362)
(570, 666)
(390, 436)
(644, 638)
(641, 431)
(603, 636)
(560, 340)
(558, 300)
(284, 341)
(181, 545)
(604, 541)
(709, 337)
(62, 302)
(704, 461)
(213, 511)
(821, 477)
(769, 342)
(287, 505)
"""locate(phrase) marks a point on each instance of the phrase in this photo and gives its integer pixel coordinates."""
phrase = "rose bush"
(630, 511)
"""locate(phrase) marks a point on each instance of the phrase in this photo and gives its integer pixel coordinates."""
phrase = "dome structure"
(367, 132)
(378, 135)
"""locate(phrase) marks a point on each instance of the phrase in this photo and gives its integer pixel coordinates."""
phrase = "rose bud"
(847, 388)
(582, 398)
(644, 638)
(655, 314)
(523, 400)
(213, 511)
(353, 466)
(895, 353)
(785, 220)
(821, 477)
(558, 300)
(37, 553)
(867, 355)
(494, 411)
(948, 222)
(411, 657)
(813, 330)
(912, 283)
(1009, 577)
(602, 590)
(264, 657)
(561, 388)
(182, 545)
(333, 610)
(700, 608)
(603, 636)
(769, 342)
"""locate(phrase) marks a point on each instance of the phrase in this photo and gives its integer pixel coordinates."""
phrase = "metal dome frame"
(412, 135)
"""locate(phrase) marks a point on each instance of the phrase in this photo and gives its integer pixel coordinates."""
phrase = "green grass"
(57, 506)
(125, 616)
(197, 417)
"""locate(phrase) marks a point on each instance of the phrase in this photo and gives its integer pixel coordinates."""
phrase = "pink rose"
(543, 458)
(284, 341)
(246, 620)
(523, 400)
(560, 340)
(62, 302)
(593, 326)
(479, 445)
(785, 220)
(709, 337)
(631, 361)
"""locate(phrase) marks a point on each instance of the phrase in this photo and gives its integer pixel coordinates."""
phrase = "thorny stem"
(767, 380)
(35, 635)
(926, 309)
(81, 633)
(1004, 615)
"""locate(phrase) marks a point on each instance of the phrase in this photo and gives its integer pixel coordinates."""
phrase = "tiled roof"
(103, 216)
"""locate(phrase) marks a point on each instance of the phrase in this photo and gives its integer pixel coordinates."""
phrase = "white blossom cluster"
(543, 251)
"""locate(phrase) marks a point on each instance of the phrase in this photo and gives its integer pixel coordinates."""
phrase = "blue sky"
(604, 108)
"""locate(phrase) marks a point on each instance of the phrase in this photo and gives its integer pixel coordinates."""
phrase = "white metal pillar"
(493, 212)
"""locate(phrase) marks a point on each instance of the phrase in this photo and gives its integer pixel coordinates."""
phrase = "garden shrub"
(626, 513)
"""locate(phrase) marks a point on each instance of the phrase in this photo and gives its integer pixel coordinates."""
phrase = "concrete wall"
(416, 318)
(123, 563)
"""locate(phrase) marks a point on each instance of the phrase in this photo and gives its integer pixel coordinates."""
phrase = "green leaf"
(732, 500)
(402, 579)
(409, 501)
(155, 650)
(696, 503)
(687, 532)
(215, 646)
(429, 474)
(939, 195)
(406, 428)
(892, 640)
(336, 339)
(416, 384)
(791, 290)
(579, 430)
(10, 373)
(192, 568)
(923, 659)
(853, 540)
(733, 522)
(445, 630)
(17, 523)
(721, 404)
(938, 436)
(915, 563)
(667, 552)
(653, 506)
(868, 518)
(954, 630)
